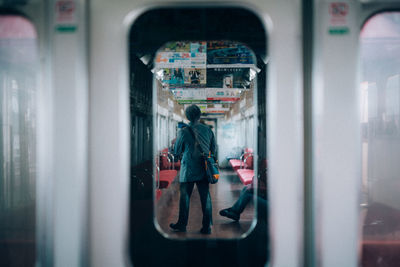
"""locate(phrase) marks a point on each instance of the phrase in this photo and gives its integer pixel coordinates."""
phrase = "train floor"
(223, 195)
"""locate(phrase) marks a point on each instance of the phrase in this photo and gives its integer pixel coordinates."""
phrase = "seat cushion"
(245, 175)
(166, 177)
(235, 163)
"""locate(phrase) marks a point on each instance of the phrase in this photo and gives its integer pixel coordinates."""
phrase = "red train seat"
(246, 157)
(245, 175)
(235, 163)
(165, 164)
(248, 162)
(166, 177)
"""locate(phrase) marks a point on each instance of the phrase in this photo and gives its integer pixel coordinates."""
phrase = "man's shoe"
(177, 227)
(230, 214)
(205, 230)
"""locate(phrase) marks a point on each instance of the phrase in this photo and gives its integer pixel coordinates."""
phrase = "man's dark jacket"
(192, 165)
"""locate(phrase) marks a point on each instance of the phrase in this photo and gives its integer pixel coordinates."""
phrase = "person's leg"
(206, 205)
(234, 212)
(184, 203)
(245, 197)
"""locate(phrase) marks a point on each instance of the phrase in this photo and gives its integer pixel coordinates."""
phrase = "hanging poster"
(173, 77)
(176, 47)
(228, 78)
(189, 94)
(199, 47)
(226, 52)
(198, 101)
(180, 60)
(212, 116)
(195, 77)
(217, 108)
(192, 47)
(211, 108)
(223, 94)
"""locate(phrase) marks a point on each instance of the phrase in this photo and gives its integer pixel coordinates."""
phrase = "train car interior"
(218, 73)
(221, 81)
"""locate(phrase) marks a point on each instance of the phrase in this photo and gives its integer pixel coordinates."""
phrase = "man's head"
(193, 113)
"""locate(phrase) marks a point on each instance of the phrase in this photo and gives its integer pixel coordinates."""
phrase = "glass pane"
(380, 109)
(218, 79)
(18, 67)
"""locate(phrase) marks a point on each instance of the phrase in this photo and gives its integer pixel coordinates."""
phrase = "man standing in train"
(190, 142)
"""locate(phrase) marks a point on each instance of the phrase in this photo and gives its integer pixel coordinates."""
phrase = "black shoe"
(205, 230)
(230, 214)
(178, 227)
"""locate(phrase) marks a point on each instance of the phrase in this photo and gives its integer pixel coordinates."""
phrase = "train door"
(355, 130)
(124, 36)
(43, 136)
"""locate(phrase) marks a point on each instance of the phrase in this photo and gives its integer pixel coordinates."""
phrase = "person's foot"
(230, 214)
(205, 230)
(177, 227)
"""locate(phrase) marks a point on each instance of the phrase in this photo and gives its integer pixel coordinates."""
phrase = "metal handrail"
(166, 155)
(173, 159)
(158, 177)
(244, 161)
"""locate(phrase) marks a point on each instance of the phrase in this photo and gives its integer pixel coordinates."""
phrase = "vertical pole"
(309, 245)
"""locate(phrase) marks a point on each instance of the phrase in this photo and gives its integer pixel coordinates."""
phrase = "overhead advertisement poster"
(173, 77)
(227, 52)
(180, 77)
(198, 47)
(217, 108)
(196, 101)
(195, 77)
(202, 95)
(182, 55)
(176, 47)
(228, 78)
(192, 47)
(212, 72)
(189, 94)
(180, 60)
(223, 94)
(211, 116)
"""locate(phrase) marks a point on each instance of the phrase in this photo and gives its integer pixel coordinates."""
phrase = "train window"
(219, 78)
(380, 107)
(184, 56)
(18, 83)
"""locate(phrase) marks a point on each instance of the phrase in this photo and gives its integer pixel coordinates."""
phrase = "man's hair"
(193, 113)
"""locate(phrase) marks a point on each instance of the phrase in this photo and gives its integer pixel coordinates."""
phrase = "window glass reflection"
(18, 67)
(380, 109)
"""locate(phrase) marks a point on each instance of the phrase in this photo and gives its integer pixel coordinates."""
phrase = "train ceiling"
(213, 72)
(158, 26)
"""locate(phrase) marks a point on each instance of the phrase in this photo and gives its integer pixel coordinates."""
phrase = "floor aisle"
(223, 195)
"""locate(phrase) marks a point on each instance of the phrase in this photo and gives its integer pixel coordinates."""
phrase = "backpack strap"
(196, 143)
